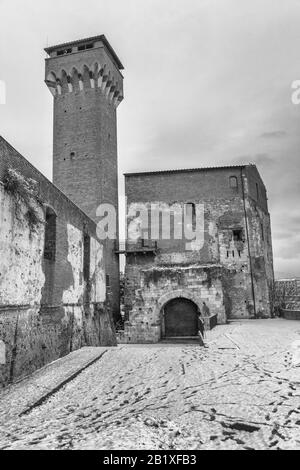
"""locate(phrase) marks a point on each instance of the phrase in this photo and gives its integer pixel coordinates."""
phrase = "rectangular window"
(107, 281)
(64, 51)
(190, 214)
(238, 235)
(50, 236)
(85, 46)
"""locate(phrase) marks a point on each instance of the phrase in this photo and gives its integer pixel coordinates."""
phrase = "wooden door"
(181, 318)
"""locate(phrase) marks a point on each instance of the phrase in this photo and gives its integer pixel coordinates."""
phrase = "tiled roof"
(186, 170)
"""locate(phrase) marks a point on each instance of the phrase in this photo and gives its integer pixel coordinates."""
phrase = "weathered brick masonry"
(86, 82)
(52, 276)
(229, 275)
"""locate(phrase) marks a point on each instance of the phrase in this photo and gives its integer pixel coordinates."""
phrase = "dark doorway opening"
(180, 319)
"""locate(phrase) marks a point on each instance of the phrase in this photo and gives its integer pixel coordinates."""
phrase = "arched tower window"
(50, 235)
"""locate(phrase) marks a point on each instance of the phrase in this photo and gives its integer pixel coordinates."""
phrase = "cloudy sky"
(207, 82)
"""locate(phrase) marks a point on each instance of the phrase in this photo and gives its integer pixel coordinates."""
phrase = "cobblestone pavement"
(242, 392)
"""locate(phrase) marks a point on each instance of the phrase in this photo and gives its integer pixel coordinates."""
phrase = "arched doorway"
(180, 318)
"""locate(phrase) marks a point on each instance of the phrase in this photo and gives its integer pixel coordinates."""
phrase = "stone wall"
(149, 289)
(48, 307)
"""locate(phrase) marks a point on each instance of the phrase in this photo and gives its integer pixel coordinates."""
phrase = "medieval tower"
(87, 84)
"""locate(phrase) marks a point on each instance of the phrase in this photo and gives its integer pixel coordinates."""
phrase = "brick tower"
(87, 84)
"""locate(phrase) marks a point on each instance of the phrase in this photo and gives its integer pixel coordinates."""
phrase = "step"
(181, 339)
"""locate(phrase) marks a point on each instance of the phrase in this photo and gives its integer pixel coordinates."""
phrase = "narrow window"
(50, 235)
(227, 254)
(190, 213)
(237, 235)
(107, 280)
(233, 182)
(86, 258)
(262, 232)
(233, 254)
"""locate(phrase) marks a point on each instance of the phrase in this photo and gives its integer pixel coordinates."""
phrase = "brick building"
(87, 85)
(227, 273)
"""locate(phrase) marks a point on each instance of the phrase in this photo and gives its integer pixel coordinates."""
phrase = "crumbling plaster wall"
(34, 333)
(21, 252)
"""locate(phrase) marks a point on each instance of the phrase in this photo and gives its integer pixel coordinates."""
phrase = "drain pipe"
(248, 240)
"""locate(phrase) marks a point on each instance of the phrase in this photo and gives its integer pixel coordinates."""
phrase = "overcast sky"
(206, 83)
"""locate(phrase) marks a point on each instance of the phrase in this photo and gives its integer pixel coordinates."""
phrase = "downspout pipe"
(248, 240)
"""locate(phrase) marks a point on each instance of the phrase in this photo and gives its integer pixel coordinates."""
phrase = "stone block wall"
(149, 289)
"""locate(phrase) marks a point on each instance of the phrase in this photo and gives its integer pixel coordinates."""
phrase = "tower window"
(50, 235)
(233, 181)
(72, 155)
(262, 232)
(86, 257)
(107, 280)
(85, 46)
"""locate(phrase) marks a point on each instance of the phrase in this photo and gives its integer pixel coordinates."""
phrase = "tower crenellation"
(87, 77)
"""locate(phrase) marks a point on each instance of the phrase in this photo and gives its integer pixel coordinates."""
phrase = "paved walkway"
(242, 392)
